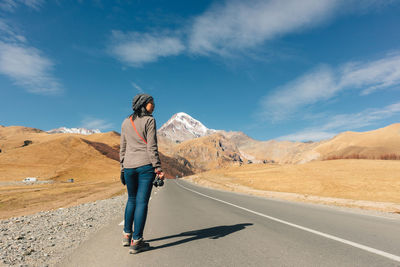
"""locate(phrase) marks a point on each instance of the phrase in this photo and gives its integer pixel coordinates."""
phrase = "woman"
(140, 163)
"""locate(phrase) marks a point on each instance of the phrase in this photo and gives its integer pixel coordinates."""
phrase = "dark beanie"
(140, 100)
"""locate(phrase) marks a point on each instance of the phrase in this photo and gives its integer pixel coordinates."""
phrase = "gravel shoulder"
(44, 238)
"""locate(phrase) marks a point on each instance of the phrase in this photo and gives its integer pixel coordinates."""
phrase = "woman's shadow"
(212, 233)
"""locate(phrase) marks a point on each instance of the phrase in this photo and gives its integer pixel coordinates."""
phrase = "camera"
(158, 182)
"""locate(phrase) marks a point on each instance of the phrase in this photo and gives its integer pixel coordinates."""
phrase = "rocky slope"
(208, 152)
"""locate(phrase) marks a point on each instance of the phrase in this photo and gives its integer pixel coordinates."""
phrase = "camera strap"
(134, 127)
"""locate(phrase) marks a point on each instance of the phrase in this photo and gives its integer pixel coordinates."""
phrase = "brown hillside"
(166, 146)
(240, 139)
(106, 150)
(277, 151)
(17, 130)
(13, 136)
(49, 155)
(208, 152)
(61, 157)
(280, 151)
(378, 144)
(373, 144)
(92, 161)
(176, 166)
(110, 138)
(54, 158)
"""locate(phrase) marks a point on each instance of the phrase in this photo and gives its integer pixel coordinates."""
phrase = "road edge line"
(332, 237)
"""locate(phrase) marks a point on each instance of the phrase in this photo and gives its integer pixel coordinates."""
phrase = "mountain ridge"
(220, 148)
(182, 127)
(83, 131)
(376, 144)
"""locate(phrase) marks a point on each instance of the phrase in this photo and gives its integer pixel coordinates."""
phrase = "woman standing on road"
(140, 163)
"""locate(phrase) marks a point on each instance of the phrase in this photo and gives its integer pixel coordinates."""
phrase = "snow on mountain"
(74, 130)
(182, 127)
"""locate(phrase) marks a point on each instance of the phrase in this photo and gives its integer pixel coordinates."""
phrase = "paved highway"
(194, 226)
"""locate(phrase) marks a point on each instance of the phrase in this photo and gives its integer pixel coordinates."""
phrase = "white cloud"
(10, 35)
(362, 119)
(28, 68)
(325, 83)
(308, 89)
(344, 122)
(137, 87)
(237, 25)
(93, 123)
(137, 48)
(11, 5)
(372, 76)
(25, 65)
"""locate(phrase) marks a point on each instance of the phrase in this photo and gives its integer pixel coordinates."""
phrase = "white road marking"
(347, 242)
(121, 223)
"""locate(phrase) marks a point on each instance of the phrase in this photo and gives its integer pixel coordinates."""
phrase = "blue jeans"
(139, 182)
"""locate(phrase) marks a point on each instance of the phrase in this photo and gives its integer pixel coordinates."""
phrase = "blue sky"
(286, 70)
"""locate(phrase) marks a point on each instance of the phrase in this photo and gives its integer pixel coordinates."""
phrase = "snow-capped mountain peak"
(74, 130)
(182, 127)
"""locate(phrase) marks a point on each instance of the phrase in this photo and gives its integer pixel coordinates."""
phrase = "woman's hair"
(139, 103)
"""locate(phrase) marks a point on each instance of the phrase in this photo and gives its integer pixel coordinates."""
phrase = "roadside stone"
(28, 252)
(39, 242)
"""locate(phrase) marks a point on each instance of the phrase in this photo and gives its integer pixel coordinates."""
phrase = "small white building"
(30, 179)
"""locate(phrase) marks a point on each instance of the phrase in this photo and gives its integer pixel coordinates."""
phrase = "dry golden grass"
(110, 138)
(62, 158)
(29, 199)
(54, 157)
(374, 144)
(369, 180)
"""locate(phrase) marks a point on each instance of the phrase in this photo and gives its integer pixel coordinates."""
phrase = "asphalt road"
(189, 225)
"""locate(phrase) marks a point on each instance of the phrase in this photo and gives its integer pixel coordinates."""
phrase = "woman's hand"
(160, 173)
(122, 177)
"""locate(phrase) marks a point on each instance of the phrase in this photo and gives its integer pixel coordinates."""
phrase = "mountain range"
(186, 147)
(83, 131)
(92, 161)
(206, 149)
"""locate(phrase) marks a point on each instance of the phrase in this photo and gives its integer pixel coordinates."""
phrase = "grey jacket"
(134, 152)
